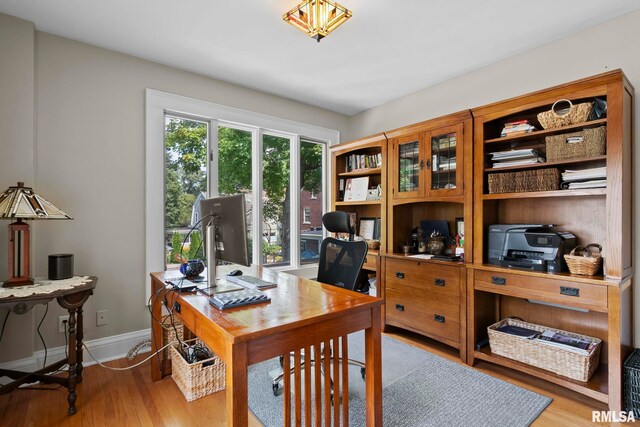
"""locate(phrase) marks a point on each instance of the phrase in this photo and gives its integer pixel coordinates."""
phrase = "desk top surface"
(295, 302)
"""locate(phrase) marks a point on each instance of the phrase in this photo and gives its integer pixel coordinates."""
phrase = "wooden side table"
(71, 294)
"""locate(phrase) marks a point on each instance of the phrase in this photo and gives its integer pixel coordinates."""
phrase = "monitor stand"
(215, 285)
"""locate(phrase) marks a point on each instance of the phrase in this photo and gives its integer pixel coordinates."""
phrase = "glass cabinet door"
(445, 169)
(407, 174)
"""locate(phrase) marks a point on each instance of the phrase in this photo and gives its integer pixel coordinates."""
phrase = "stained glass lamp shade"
(317, 18)
(21, 203)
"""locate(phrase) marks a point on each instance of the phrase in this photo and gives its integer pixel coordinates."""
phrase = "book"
(518, 331)
(356, 189)
(567, 342)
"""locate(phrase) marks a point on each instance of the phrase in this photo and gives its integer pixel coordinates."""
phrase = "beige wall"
(89, 160)
(605, 47)
(16, 149)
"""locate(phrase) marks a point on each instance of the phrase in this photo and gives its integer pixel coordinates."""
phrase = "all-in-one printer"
(535, 247)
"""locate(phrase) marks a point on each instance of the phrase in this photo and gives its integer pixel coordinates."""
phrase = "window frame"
(158, 103)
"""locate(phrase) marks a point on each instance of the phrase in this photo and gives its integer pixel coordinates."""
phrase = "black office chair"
(340, 265)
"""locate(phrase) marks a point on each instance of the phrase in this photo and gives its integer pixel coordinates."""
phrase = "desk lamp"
(21, 203)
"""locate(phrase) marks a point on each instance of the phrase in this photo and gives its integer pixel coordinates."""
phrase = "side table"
(71, 294)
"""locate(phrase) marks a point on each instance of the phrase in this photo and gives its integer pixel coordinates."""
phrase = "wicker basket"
(574, 114)
(593, 144)
(373, 244)
(169, 334)
(199, 379)
(562, 362)
(582, 260)
(524, 181)
(631, 381)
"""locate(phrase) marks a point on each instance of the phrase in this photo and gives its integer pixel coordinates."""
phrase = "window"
(196, 149)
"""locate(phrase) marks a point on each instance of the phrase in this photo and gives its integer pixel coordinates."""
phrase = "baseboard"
(104, 349)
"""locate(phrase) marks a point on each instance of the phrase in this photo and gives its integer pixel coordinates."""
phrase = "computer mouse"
(235, 273)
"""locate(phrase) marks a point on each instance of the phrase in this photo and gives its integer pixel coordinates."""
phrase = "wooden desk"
(302, 315)
(72, 299)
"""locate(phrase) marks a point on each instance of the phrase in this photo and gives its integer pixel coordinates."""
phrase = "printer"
(535, 247)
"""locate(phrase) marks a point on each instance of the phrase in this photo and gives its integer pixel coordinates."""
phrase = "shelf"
(361, 202)
(542, 133)
(597, 387)
(542, 194)
(594, 280)
(550, 164)
(361, 172)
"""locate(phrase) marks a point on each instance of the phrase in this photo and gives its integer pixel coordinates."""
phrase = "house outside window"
(307, 216)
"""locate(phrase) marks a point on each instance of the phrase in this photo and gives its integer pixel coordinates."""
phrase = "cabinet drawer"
(550, 289)
(434, 316)
(371, 263)
(434, 278)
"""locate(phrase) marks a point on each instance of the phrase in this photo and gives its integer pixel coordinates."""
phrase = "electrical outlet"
(61, 323)
(101, 318)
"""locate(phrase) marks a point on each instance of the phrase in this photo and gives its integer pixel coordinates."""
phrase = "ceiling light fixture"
(317, 18)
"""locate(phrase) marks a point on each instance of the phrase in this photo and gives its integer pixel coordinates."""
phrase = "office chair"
(340, 265)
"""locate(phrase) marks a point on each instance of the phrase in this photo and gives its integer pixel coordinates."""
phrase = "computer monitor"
(224, 227)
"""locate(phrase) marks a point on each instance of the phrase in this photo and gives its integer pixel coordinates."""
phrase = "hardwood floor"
(129, 398)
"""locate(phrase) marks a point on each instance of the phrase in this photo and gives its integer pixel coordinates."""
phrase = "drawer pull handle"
(497, 280)
(438, 282)
(438, 318)
(399, 307)
(399, 275)
(571, 292)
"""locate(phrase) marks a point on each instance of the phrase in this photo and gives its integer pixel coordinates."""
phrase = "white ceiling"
(388, 49)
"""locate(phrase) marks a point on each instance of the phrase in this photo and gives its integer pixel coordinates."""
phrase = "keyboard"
(238, 298)
(251, 282)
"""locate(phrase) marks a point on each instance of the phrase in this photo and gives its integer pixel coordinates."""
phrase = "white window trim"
(304, 215)
(157, 103)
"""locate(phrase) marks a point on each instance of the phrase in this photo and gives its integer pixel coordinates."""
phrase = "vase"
(435, 246)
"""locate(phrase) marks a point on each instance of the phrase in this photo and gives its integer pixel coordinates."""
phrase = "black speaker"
(60, 266)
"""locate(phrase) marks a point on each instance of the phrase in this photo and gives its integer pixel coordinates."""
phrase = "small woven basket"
(582, 260)
(574, 114)
(593, 144)
(524, 181)
(373, 244)
(199, 379)
(563, 362)
(169, 334)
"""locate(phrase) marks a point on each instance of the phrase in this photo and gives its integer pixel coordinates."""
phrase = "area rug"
(418, 389)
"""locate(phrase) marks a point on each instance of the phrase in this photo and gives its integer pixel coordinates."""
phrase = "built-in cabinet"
(444, 169)
(362, 158)
(598, 306)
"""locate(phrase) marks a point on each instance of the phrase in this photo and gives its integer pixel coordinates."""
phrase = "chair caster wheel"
(363, 373)
(277, 391)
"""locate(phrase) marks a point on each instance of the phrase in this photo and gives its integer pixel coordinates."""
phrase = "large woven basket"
(562, 362)
(199, 379)
(584, 260)
(169, 334)
(571, 115)
(524, 181)
(593, 144)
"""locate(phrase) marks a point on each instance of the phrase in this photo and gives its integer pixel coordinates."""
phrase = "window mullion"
(212, 161)
(256, 195)
(294, 207)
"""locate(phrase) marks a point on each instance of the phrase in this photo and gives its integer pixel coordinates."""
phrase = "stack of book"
(443, 163)
(585, 178)
(363, 161)
(518, 127)
(524, 156)
(552, 338)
